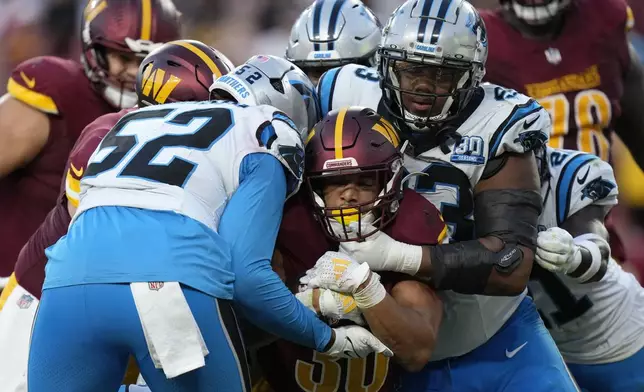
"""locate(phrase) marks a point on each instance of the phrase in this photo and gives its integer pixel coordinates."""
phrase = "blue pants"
(520, 357)
(83, 335)
(622, 376)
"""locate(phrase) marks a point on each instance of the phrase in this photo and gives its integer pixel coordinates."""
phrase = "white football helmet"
(272, 80)
(431, 60)
(331, 33)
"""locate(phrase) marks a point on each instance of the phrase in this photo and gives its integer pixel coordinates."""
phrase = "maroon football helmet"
(348, 142)
(179, 71)
(127, 26)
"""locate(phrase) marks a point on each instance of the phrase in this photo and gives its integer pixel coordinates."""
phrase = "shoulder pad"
(611, 14)
(580, 180)
(280, 137)
(520, 123)
(418, 221)
(41, 82)
(349, 85)
(83, 149)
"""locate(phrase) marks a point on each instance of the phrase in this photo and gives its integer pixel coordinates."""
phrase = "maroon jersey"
(30, 266)
(577, 77)
(289, 367)
(60, 89)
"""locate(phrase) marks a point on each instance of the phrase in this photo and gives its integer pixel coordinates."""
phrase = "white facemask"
(119, 98)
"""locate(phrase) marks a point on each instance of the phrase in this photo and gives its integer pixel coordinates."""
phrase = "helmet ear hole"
(221, 95)
(101, 57)
(278, 85)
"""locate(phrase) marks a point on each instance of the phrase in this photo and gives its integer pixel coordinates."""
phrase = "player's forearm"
(511, 283)
(249, 225)
(499, 261)
(409, 333)
(469, 267)
(267, 303)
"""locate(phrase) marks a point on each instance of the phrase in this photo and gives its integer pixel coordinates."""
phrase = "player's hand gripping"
(332, 305)
(339, 272)
(356, 342)
(557, 251)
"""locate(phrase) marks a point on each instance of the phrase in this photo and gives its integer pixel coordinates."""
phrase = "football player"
(177, 191)
(473, 147)
(177, 71)
(50, 100)
(593, 309)
(330, 33)
(574, 57)
(354, 171)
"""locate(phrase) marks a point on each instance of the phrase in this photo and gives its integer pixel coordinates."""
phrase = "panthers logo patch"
(293, 157)
(531, 140)
(597, 189)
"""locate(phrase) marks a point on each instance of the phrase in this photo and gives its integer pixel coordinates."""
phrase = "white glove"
(382, 252)
(337, 272)
(340, 273)
(356, 342)
(335, 306)
(557, 251)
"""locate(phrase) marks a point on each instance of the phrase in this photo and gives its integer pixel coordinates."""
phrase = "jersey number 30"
(359, 374)
(197, 136)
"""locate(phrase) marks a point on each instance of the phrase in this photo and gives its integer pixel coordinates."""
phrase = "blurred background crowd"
(240, 29)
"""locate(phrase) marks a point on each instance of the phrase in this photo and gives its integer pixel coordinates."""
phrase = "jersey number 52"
(197, 135)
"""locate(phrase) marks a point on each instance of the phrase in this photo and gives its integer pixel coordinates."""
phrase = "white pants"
(16, 320)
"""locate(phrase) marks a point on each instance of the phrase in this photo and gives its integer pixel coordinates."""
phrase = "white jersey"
(591, 323)
(504, 121)
(185, 157)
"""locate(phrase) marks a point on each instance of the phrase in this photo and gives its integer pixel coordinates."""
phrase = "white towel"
(171, 332)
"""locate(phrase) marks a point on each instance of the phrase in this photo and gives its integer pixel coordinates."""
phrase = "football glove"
(382, 252)
(337, 272)
(333, 305)
(356, 342)
(557, 251)
(340, 273)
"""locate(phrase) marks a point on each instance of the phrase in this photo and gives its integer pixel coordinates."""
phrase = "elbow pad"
(465, 267)
(510, 215)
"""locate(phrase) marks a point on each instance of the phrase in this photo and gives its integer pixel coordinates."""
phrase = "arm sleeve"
(250, 224)
(30, 265)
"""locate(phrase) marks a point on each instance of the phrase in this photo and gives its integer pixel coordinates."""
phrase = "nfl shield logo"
(155, 285)
(25, 301)
(553, 56)
(262, 58)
